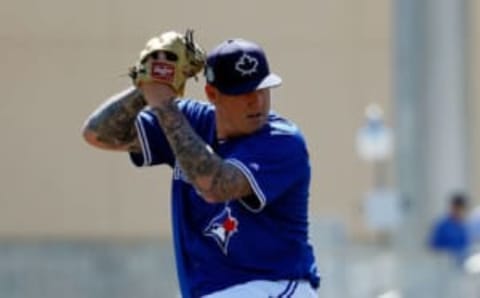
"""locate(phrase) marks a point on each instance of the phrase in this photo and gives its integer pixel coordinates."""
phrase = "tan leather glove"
(184, 59)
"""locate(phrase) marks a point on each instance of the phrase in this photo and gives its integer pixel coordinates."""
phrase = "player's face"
(238, 115)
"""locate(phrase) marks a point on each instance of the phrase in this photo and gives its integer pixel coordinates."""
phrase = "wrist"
(157, 94)
(163, 103)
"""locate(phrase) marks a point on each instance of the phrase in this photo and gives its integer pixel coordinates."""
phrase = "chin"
(256, 127)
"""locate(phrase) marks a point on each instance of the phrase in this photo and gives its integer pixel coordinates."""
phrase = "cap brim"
(270, 81)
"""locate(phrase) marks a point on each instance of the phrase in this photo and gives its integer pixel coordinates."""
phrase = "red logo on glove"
(162, 71)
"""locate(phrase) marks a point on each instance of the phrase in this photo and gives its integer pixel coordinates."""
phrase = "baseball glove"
(184, 59)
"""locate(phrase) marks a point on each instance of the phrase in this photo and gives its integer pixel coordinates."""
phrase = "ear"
(212, 93)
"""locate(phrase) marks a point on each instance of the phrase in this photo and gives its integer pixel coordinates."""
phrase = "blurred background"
(385, 91)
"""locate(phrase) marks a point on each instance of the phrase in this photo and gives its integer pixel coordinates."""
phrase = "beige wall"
(60, 59)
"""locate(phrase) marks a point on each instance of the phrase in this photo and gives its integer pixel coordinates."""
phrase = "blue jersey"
(451, 235)
(261, 237)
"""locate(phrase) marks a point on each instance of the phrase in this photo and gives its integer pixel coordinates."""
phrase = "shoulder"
(280, 129)
(278, 125)
(200, 114)
(194, 105)
(280, 134)
(190, 105)
(444, 222)
(196, 111)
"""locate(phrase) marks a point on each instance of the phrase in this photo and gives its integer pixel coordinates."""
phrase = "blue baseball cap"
(238, 66)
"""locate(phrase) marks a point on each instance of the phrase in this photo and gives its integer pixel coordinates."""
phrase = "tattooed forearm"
(216, 180)
(114, 122)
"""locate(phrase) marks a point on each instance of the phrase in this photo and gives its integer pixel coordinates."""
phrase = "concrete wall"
(474, 96)
(60, 59)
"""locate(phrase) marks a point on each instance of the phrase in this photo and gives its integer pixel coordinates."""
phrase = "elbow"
(204, 188)
(214, 191)
(91, 137)
(94, 139)
(212, 199)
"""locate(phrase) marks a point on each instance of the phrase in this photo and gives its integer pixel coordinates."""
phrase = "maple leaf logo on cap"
(246, 65)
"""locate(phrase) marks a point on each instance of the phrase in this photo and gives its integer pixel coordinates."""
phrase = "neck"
(224, 130)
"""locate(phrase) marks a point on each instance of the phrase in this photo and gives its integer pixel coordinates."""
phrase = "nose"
(257, 98)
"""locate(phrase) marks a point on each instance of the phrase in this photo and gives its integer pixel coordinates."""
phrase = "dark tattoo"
(114, 121)
(214, 178)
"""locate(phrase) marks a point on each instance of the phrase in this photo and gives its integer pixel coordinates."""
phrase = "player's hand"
(181, 58)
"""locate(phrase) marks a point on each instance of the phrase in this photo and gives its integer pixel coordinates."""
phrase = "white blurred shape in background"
(374, 139)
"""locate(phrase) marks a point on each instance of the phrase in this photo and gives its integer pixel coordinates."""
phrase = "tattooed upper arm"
(112, 125)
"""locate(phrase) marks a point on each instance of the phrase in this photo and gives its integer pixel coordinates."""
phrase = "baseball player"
(241, 172)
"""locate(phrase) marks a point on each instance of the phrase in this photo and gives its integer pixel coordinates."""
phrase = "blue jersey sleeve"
(155, 147)
(154, 144)
(276, 163)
